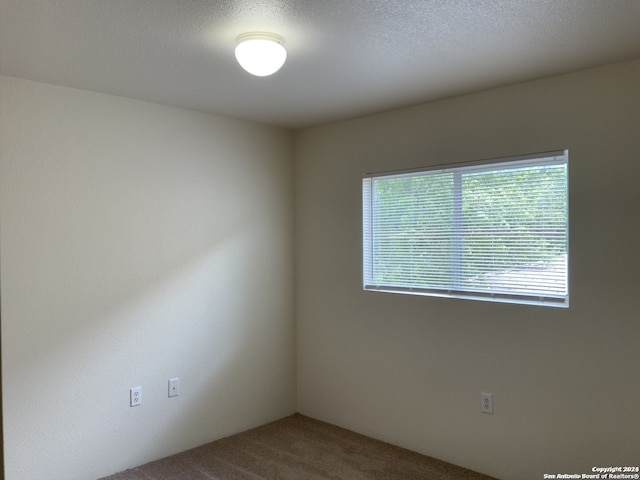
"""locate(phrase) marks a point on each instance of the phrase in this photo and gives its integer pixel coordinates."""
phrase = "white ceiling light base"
(260, 53)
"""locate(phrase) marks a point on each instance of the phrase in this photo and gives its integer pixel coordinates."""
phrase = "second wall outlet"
(135, 396)
(486, 402)
(174, 387)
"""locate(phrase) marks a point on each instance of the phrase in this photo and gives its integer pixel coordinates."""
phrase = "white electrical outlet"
(135, 396)
(486, 402)
(174, 387)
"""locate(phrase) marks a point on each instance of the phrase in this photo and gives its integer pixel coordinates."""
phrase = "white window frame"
(555, 299)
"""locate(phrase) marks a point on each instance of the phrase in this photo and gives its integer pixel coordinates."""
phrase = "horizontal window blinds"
(490, 230)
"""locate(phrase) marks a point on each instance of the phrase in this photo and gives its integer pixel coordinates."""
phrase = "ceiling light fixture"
(260, 53)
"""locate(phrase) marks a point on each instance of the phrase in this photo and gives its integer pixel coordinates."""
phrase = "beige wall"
(410, 369)
(138, 243)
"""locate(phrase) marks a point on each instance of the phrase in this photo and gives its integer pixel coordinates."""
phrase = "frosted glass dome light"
(260, 53)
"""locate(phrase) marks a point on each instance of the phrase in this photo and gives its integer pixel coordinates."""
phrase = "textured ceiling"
(346, 58)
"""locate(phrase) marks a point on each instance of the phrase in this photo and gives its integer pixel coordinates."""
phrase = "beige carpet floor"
(298, 448)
